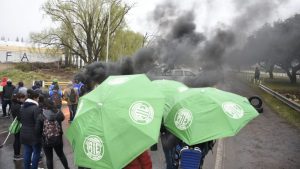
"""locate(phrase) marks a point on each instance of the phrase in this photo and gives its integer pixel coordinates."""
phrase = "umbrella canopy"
(116, 122)
(170, 89)
(204, 114)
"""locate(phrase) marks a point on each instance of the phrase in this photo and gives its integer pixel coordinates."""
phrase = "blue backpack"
(190, 158)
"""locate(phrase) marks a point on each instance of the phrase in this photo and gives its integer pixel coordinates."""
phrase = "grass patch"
(281, 84)
(278, 84)
(284, 87)
(17, 75)
(291, 115)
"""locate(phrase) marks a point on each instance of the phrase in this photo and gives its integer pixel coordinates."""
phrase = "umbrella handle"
(5, 140)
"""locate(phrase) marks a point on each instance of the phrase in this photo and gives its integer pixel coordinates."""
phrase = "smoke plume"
(179, 45)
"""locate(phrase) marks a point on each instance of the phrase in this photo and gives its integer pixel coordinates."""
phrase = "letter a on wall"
(25, 57)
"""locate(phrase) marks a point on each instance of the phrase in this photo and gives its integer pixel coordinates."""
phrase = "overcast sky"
(20, 17)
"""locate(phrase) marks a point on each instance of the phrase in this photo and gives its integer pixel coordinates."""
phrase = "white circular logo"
(117, 80)
(182, 89)
(141, 112)
(233, 110)
(183, 119)
(93, 147)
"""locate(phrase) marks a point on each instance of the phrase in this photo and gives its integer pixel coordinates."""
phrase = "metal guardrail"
(47, 84)
(290, 103)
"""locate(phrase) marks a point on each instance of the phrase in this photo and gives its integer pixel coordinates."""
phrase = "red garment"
(4, 81)
(143, 161)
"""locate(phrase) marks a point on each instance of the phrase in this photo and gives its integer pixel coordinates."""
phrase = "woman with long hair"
(49, 125)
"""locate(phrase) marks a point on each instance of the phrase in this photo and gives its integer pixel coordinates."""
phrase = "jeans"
(60, 153)
(28, 150)
(169, 153)
(4, 105)
(72, 110)
(17, 144)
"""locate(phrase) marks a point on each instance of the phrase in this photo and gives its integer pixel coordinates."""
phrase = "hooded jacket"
(29, 116)
(15, 109)
(8, 91)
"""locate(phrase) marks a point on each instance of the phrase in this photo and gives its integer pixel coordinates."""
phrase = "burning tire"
(256, 102)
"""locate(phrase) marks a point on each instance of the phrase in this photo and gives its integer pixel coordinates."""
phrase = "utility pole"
(108, 30)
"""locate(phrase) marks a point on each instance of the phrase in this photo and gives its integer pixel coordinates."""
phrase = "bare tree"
(83, 26)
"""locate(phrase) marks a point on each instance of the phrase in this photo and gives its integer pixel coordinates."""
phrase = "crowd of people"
(39, 112)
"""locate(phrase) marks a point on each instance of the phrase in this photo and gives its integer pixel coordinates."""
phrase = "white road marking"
(3, 132)
(219, 155)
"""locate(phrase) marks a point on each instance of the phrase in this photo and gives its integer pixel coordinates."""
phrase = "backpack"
(56, 98)
(72, 96)
(190, 158)
(51, 133)
(185, 155)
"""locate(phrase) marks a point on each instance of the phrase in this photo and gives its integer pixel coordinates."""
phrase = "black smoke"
(178, 44)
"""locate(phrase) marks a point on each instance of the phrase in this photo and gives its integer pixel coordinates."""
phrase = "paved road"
(268, 142)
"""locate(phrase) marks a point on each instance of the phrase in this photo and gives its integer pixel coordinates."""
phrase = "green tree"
(125, 43)
(276, 44)
(83, 26)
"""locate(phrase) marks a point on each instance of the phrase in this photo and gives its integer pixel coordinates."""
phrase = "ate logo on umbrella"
(182, 88)
(141, 112)
(118, 80)
(93, 147)
(183, 119)
(233, 110)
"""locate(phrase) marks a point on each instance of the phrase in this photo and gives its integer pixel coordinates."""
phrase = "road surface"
(267, 142)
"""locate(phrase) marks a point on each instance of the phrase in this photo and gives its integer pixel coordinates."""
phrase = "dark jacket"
(15, 109)
(8, 91)
(51, 116)
(29, 116)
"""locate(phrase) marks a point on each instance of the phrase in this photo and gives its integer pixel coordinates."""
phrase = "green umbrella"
(116, 122)
(204, 114)
(170, 89)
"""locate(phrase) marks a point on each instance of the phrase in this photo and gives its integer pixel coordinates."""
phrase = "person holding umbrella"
(143, 161)
(114, 125)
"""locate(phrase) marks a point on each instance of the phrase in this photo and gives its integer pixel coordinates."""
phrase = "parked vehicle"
(171, 74)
